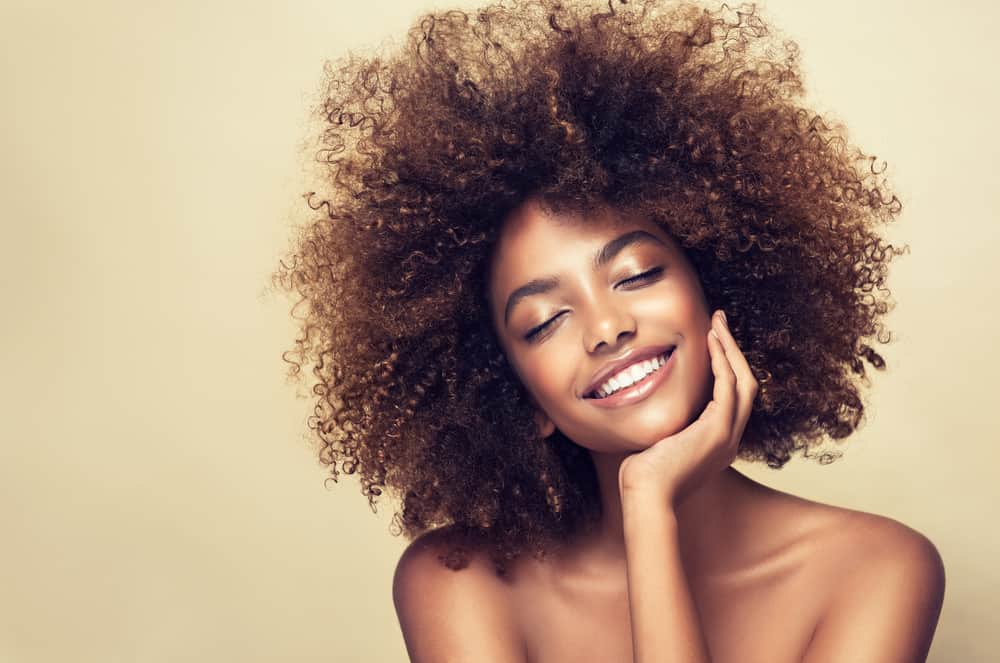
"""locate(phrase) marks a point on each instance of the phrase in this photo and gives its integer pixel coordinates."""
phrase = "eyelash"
(639, 277)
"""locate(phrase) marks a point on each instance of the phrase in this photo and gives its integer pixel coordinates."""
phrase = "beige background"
(158, 500)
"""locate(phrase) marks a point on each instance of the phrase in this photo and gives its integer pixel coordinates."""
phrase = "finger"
(724, 387)
(716, 358)
(736, 358)
(746, 383)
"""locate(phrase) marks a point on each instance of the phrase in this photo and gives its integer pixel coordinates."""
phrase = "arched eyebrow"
(605, 255)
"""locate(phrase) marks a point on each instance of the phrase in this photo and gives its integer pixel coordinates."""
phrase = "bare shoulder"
(884, 541)
(887, 583)
(847, 540)
(903, 562)
(862, 543)
(449, 614)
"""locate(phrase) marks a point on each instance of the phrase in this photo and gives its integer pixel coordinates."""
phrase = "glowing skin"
(596, 318)
(689, 563)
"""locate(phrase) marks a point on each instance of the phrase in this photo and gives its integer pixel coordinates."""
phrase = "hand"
(677, 464)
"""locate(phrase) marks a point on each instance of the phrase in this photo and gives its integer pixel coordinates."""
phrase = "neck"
(708, 518)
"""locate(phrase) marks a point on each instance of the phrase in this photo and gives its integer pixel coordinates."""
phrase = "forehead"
(535, 241)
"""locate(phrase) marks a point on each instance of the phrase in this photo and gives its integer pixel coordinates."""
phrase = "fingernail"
(723, 315)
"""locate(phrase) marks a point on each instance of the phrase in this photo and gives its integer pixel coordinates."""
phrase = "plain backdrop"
(159, 500)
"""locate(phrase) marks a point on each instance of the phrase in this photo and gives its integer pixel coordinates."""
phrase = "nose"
(608, 324)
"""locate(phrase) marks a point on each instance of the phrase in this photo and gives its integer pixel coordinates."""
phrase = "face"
(582, 314)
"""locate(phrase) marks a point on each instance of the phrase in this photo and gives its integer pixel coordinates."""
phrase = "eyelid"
(655, 271)
(649, 273)
(540, 328)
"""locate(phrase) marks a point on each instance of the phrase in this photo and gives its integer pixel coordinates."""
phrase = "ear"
(545, 425)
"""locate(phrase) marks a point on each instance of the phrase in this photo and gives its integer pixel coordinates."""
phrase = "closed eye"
(648, 275)
(535, 331)
(645, 276)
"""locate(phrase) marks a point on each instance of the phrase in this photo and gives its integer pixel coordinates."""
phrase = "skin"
(692, 560)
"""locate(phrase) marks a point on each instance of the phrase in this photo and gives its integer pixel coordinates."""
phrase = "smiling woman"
(576, 259)
(621, 294)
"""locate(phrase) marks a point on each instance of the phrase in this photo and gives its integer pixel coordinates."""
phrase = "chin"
(636, 433)
(660, 422)
(661, 433)
(629, 444)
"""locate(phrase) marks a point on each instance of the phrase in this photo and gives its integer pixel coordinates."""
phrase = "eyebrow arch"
(605, 255)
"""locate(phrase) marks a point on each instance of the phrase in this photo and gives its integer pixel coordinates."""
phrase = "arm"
(453, 616)
(665, 623)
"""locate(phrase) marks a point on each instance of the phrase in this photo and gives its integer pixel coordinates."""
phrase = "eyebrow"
(605, 255)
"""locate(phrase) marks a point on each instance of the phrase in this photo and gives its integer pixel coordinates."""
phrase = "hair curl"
(689, 116)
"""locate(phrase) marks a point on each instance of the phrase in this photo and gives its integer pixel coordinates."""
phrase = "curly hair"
(689, 116)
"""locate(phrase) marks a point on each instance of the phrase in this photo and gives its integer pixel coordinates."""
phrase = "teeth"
(631, 375)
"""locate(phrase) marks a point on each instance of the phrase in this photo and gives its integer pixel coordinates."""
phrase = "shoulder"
(867, 546)
(843, 541)
(888, 542)
(875, 586)
(854, 548)
(889, 586)
(448, 613)
(903, 560)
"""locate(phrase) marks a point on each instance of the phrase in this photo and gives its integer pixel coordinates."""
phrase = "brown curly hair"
(690, 116)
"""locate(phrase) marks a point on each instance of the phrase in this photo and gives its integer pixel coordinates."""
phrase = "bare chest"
(765, 615)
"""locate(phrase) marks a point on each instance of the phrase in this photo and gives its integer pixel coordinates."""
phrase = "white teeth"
(630, 375)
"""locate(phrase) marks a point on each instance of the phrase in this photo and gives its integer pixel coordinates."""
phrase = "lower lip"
(638, 391)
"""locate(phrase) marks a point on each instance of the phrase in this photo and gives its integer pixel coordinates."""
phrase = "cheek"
(539, 376)
(676, 306)
(548, 377)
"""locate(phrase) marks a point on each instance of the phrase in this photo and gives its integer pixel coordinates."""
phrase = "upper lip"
(615, 365)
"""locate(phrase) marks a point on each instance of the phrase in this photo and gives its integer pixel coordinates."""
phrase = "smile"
(643, 382)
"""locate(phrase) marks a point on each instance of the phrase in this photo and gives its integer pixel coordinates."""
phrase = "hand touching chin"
(675, 465)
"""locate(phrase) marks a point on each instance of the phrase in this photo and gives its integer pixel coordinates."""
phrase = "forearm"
(665, 622)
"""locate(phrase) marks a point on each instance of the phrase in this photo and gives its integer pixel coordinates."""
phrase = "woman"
(524, 203)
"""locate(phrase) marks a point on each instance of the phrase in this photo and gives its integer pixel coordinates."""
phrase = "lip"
(618, 364)
(638, 391)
